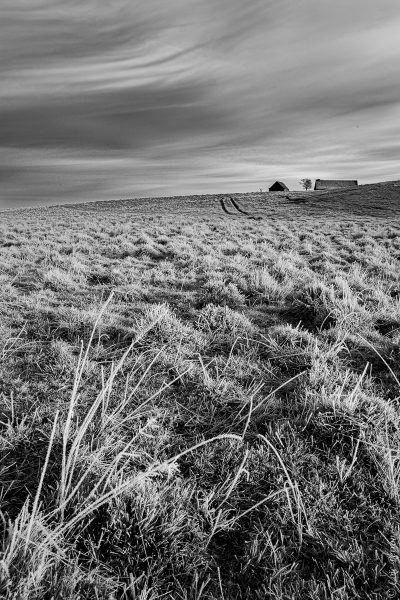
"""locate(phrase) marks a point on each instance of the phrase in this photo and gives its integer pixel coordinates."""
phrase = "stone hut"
(334, 184)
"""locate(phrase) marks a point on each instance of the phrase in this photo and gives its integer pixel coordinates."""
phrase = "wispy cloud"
(131, 98)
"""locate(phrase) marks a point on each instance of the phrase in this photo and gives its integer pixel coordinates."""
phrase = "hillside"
(373, 200)
(199, 397)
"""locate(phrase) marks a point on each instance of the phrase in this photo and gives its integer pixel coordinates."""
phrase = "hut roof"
(279, 185)
(323, 184)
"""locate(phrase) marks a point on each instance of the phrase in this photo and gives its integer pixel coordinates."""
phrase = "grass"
(200, 399)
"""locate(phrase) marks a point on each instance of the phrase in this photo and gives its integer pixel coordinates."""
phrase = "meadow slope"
(199, 397)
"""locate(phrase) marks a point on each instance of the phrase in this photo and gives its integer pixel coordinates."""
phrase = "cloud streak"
(130, 98)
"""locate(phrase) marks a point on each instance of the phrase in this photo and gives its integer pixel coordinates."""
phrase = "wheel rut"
(236, 205)
(225, 209)
(238, 210)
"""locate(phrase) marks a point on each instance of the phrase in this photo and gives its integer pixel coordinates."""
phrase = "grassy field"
(199, 398)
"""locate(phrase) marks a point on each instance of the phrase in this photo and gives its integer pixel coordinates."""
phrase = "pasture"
(199, 397)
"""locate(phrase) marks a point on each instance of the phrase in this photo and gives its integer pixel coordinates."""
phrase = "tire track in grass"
(224, 208)
(235, 204)
(243, 212)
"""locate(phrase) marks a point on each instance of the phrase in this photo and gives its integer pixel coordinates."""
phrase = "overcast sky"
(124, 98)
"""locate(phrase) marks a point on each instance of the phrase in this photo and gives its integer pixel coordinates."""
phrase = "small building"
(278, 186)
(334, 184)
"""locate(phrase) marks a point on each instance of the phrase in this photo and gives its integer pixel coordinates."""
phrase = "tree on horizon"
(306, 183)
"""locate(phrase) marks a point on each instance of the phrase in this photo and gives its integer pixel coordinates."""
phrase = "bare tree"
(306, 183)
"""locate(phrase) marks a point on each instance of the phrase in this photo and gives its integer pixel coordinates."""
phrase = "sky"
(105, 99)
